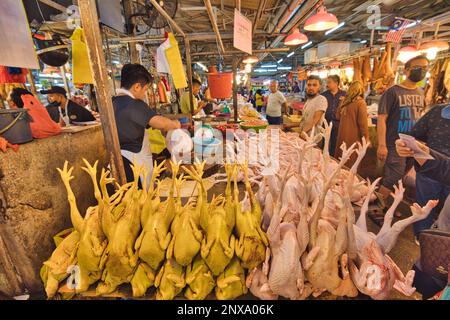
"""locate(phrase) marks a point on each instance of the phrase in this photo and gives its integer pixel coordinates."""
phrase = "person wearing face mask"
(399, 109)
(315, 107)
(63, 110)
(134, 117)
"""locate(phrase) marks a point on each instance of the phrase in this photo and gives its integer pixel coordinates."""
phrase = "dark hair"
(410, 61)
(312, 77)
(259, 91)
(16, 96)
(133, 73)
(335, 78)
(196, 82)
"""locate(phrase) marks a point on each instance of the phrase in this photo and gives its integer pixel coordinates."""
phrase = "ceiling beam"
(54, 5)
(261, 7)
(212, 18)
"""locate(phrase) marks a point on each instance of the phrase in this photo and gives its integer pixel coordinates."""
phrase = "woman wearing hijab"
(352, 114)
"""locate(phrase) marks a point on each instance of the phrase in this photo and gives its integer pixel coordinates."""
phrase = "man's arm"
(163, 123)
(315, 121)
(285, 107)
(381, 133)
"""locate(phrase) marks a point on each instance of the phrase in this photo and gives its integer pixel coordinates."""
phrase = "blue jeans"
(274, 120)
(428, 189)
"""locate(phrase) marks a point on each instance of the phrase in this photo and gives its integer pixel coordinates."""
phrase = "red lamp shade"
(321, 21)
(295, 38)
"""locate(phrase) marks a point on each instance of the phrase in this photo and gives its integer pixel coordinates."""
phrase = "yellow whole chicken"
(56, 268)
(231, 283)
(92, 239)
(155, 237)
(186, 232)
(122, 226)
(143, 278)
(199, 280)
(252, 241)
(170, 280)
(218, 245)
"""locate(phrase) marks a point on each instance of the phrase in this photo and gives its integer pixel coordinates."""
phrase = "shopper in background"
(259, 100)
(186, 103)
(352, 114)
(334, 97)
(134, 116)
(64, 111)
(400, 107)
(315, 106)
(433, 129)
(276, 102)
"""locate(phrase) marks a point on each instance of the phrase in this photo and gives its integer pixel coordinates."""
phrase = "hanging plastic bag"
(157, 141)
(176, 65)
(81, 70)
(162, 65)
(42, 125)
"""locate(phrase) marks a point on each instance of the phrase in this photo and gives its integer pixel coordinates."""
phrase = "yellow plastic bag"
(81, 70)
(157, 141)
(173, 57)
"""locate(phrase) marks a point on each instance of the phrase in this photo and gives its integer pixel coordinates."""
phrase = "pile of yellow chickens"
(134, 237)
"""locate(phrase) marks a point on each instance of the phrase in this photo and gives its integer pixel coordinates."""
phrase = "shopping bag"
(81, 70)
(157, 141)
(42, 125)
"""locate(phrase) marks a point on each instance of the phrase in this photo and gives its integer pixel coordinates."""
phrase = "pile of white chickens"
(315, 243)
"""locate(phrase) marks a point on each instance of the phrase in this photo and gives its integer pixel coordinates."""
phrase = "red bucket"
(220, 85)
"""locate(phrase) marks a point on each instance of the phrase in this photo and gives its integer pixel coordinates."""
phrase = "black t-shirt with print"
(403, 108)
(132, 117)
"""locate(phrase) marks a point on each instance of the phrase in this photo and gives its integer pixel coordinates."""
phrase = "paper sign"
(411, 143)
(16, 49)
(242, 38)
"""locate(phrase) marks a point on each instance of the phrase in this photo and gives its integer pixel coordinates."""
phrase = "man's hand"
(405, 152)
(382, 153)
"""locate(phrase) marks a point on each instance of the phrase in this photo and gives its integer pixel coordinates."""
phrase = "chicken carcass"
(251, 241)
(373, 272)
(121, 226)
(155, 237)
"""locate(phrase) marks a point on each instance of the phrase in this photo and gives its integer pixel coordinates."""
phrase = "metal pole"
(189, 73)
(89, 19)
(62, 69)
(235, 102)
(128, 9)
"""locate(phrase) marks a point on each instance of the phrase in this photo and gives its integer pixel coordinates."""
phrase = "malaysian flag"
(397, 30)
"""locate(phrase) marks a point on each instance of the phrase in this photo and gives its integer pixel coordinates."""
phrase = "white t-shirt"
(318, 103)
(274, 104)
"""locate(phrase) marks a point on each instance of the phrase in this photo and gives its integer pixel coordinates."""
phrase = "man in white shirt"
(275, 103)
(315, 106)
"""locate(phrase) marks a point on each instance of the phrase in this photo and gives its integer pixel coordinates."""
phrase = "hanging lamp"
(407, 53)
(295, 38)
(250, 59)
(432, 48)
(321, 21)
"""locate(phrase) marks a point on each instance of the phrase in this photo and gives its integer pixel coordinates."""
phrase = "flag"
(397, 30)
